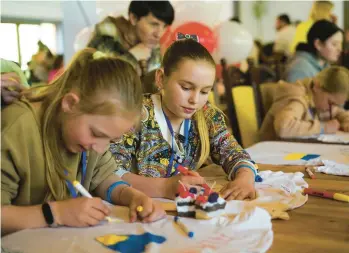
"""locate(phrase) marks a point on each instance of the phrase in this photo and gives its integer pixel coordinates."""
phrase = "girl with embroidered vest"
(61, 133)
(180, 126)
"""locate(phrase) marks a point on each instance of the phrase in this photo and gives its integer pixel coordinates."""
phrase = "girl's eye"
(204, 92)
(185, 88)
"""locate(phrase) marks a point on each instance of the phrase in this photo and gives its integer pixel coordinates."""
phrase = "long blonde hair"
(192, 50)
(321, 10)
(105, 85)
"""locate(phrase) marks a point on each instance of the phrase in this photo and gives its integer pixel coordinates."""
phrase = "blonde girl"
(60, 133)
(180, 126)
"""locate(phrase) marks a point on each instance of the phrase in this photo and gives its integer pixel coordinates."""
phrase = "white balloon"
(234, 42)
(206, 12)
(82, 38)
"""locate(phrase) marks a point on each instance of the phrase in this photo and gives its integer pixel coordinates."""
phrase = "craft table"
(321, 225)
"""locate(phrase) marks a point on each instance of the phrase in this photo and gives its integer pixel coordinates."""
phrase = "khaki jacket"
(23, 170)
(293, 113)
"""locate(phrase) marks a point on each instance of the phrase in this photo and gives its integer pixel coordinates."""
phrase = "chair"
(241, 109)
(246, 113)
(265, 96)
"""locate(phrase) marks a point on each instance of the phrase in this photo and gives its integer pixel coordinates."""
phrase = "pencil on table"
(310, 173)
(326, 194)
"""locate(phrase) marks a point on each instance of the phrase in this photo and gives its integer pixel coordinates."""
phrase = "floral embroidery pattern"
(149, 153)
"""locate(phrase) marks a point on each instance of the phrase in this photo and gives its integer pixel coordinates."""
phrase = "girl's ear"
(159, 78)
(317, 44)
(70, 102)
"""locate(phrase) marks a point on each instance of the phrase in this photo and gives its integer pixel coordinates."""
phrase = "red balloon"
(206, 36)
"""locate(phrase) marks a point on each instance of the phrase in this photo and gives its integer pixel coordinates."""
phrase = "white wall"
(39, 10)
(74, 21)
(297, 10)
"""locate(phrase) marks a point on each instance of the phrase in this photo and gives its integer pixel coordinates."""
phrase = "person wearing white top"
(284, 35)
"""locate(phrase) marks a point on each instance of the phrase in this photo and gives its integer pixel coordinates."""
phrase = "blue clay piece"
(193, 190)
(213, 197)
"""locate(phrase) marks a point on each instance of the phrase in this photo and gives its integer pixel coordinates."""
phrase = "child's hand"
(345, 127)
(331, 126)
(79, 212)
(151, 211)
(241, 188)
(10, 87)
(194, 179)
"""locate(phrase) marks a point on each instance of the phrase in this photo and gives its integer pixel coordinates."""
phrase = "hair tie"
(181, 36)
(98, 55)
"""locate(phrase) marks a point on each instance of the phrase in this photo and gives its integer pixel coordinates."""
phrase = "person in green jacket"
(60, 133)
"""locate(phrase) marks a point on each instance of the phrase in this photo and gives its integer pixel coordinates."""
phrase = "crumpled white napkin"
(333, 168)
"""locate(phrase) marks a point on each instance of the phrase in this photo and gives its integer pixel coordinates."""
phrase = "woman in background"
(320, 10)
(324, 46)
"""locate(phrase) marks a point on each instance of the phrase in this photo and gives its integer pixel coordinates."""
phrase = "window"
(8, 43)
(21, 40)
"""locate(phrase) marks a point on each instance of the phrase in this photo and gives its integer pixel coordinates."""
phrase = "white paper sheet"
(274, 152)
(340, 137)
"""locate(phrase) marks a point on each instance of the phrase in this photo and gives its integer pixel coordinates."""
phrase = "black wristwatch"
(46, 210)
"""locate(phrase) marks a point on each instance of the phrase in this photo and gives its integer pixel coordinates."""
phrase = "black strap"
(46, 210)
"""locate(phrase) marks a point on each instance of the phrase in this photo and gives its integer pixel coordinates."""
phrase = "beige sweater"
(291, 113)
(23, 180)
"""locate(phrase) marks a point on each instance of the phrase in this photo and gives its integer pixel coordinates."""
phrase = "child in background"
(310, 106)
(60, 133)
(179, 126)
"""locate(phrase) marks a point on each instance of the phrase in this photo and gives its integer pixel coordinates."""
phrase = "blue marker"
(183, 227)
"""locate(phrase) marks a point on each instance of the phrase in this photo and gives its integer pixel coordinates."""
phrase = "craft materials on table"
(277, 193)
(310, 173)
(332, 168)
(300, 156)
(189, 233)
(327, 194)
(247, 227)
(203, 205)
